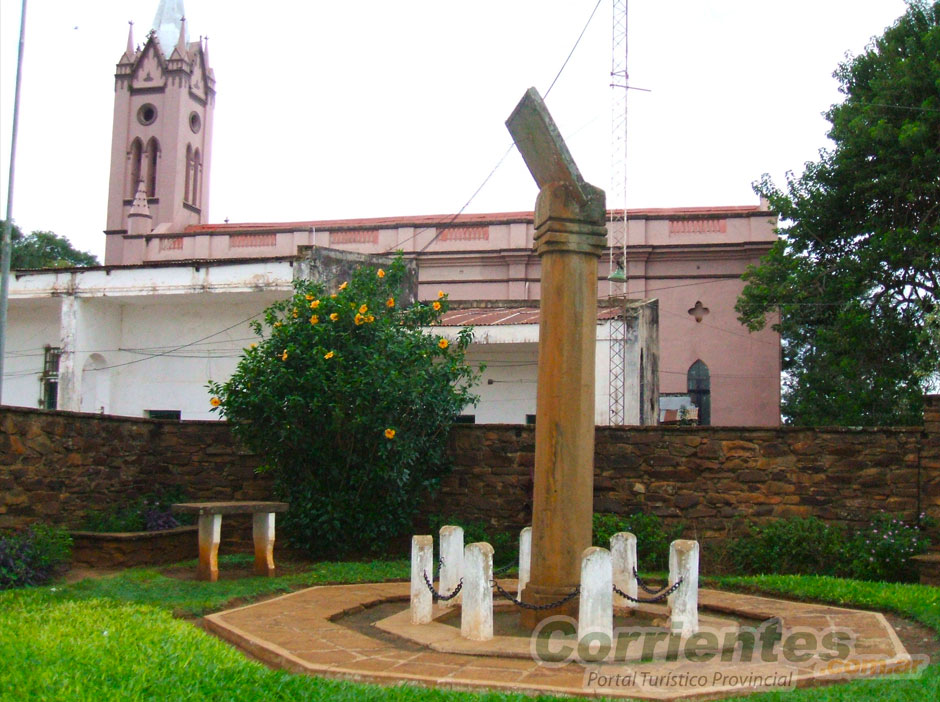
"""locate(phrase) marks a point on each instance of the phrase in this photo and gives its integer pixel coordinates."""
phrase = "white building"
(144, 340)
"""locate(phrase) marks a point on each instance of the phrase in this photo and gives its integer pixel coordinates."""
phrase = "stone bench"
(210, 529)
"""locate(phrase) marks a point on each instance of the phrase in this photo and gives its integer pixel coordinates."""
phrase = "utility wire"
(499, 163)
(177, 348)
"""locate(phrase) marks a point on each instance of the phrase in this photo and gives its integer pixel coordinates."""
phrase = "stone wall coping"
(201, 508)
(132, 535)
(785, 428)
(717, 429)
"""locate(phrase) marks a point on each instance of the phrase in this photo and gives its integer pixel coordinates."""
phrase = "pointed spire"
(139, 219)
(129, 53)
(181, 42)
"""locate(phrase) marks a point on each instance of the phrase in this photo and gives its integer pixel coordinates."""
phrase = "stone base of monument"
(343, 631)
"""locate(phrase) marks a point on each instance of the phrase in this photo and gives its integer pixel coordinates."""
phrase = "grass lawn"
(117, 638)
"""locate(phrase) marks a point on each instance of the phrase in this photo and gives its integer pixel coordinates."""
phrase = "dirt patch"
(917, 638)
(236, 571)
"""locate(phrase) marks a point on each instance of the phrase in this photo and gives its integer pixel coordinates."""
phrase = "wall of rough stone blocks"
(56, 465)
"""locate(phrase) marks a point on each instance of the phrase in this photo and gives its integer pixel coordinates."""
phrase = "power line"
(499, 163)
(183, 346)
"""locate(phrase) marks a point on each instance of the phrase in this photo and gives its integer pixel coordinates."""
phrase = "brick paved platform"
(312, 631)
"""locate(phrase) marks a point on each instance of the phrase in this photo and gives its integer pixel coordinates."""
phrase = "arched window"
(699, 384)
(189, 173)
(136, 153)
(197, 177)
(153, 149)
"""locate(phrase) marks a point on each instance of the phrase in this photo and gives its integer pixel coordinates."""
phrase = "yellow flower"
(215, 402)
(254, 345)
(314, 319)
(277, 324)
(436, 305)
(440, 294)
(343, 286)
(370, 318)
(333, 296)
(443, 343)
(390, 302)
(359, 319)
(314, 304)
(284, 355)
(295, 313)
(389, 433)
(309, 297)
(334, 316)
(363, 309)
(328, 356)
(380, 273)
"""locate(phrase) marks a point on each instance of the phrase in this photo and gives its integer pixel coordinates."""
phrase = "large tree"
(852, 283)
(44, 250)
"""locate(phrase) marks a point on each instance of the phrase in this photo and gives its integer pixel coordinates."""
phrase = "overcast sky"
(358, 109)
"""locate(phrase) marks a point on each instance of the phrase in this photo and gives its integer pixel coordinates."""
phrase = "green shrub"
(789, 546)
(883, 550)
(148, 513)
(33, 556)
(879, 551)
(350, 404)
(652, 537)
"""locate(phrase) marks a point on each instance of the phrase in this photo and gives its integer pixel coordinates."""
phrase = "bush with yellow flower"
(352, 416)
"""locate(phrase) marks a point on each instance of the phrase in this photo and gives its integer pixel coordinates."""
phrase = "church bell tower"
(161, 142)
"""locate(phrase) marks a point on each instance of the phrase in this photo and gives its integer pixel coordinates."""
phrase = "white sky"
(358, 109)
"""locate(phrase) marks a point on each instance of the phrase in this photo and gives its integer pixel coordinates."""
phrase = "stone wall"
(56, 465)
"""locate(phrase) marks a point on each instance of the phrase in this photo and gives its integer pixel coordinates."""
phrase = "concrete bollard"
(476, 612)
(525, 559)
(452, 562)
(422, 561)
(596, 608)
(683, 563)
(623, 559)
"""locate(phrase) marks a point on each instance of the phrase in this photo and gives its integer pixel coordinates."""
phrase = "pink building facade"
(688, 259)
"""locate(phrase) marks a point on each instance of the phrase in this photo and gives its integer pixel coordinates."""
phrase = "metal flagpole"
(8, 224)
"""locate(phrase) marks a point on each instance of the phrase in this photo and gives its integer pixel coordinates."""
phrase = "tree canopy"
(350, 403)
(852, 282)
(44, 250)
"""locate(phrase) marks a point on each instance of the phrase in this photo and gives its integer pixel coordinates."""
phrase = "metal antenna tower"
(617, 217)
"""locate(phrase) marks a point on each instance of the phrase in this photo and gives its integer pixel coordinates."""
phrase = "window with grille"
(49, 379)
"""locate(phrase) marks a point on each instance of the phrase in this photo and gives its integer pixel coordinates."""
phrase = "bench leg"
(263, 532)
(210, 527)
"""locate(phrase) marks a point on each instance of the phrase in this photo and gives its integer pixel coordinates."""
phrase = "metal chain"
(505, 568)
(438, 597)
(661, 595)
(525, 605)
(644, 586)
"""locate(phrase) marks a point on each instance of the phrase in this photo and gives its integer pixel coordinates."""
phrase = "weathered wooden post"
(570, 236)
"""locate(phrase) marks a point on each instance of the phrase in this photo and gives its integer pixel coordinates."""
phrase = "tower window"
(49, 379)
(195, 124)
(147, 114)
(153, 149)
(137, 149)
(187, 189)
(197, 177)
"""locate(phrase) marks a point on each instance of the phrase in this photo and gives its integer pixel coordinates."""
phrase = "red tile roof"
(492, 316)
